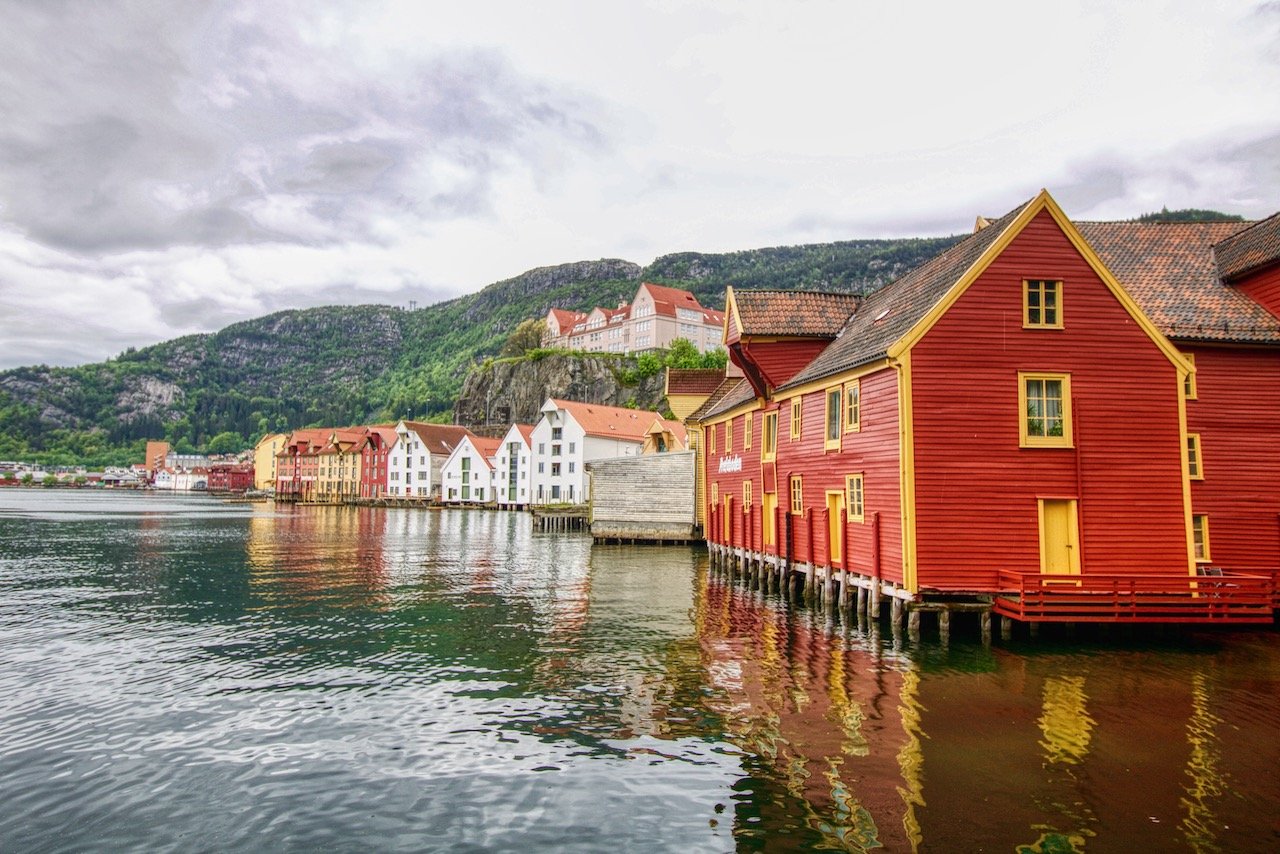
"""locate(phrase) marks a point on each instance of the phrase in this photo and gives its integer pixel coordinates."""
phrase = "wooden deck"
(1226, 598)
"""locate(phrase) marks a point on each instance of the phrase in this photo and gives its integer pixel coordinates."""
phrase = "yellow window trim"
(748, 426)
(828, 443)
(1027, 323)
(1189, 384)
(728, 436)
(711, 438)
(855, 488)
(1200, 524)
(1195, 459)
(766, 455)
(746, 495)
(796, 495)
(853, 414)
(1026, 440)
(797, 417)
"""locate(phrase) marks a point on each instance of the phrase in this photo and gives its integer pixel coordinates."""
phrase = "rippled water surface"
(179, 673)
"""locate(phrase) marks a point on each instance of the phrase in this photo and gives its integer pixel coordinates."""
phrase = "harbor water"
(179, 673)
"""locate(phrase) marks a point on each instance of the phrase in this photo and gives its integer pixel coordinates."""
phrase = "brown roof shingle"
(807, 314)
(693, 380)
(1169, 270)
(1250, 248)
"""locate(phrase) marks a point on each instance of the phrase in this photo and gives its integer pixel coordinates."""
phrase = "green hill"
(359, 364)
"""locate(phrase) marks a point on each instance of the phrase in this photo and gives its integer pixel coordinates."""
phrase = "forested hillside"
(358, 364)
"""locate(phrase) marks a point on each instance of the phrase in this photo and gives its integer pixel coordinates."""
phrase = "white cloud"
(163, 172)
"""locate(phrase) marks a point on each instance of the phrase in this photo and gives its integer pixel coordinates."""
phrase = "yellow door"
(1059, 537)
(727, 522)
(835, 526)
(768, 508)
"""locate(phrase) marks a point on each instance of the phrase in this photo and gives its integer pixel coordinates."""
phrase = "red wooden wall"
(1237, 414)
(976, 489)
(1264, 289)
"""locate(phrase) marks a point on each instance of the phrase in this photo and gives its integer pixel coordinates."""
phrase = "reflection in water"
(241, 677)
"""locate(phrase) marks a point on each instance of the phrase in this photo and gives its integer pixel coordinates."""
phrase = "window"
(853, 406)
(1189, 385)
(748, 423)
(769, 436)
(715, 493)
(555, 450)
(834, 396)
(853, 497)
(570, 468)
(797, 495)
(1045, 403)
(542, 467)
(556, 433)
(555, 469)
(711, 438)
(1200, 537)
(797, 413)
(542, 447)
(1194, 465)
(728, 436)
(746, 495)
(572, 446)
(1042, 303)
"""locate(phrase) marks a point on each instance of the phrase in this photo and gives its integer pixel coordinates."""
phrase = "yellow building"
(264, 459)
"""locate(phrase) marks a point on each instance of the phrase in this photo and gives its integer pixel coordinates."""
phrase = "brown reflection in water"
(831, 719)
(309, 553)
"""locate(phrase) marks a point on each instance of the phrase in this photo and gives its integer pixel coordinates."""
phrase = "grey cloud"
(139, 127)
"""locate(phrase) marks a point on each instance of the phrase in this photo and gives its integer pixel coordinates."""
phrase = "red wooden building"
(230, 477)
(1011, 419)
(374, 452)
(298, 466)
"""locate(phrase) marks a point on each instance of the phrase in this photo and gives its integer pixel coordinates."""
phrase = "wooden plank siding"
(1264, 289)
(779, 361)
(1236, 412)
(976, 489)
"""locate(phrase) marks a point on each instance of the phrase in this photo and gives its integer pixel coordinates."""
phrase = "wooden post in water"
(1006, 628)
(986, 627)
(944, 625)
(811, 577)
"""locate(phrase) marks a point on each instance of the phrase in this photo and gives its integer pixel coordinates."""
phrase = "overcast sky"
(172, 167)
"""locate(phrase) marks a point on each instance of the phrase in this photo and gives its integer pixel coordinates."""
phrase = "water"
(181, 674)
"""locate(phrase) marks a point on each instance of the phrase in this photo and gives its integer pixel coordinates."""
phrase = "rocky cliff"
(506, 391)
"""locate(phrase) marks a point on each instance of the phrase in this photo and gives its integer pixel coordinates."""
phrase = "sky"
(170, 168)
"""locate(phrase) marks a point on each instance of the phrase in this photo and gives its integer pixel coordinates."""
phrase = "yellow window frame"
(728, 436)
(715, 494)
(1200, 537)
(1028, 438)
(711, 438)
(853, 406)
(748, 424)
(797, 495)
(1189, 385)
(833, 418)
(1041, 298)
(769, 437)
(855, 497)
(797, 417)
(1195, 461)
(746, 495)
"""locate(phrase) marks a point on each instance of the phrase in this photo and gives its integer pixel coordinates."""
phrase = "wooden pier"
(561, 519)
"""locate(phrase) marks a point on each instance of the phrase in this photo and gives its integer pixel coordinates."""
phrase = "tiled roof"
(566, 318)
(666, 300)
(1250, 248)
(889, 313)
(1168, 268)
(670, 425)
(693, 380)
(800, 313)
(610, 421)
(438, 438)
(485, 447)
(526, 430)
(735, 391)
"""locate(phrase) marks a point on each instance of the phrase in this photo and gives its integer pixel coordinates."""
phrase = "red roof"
(1251, 249)
(438, 438)
(693, 380)
(614, 422)
(800, 313)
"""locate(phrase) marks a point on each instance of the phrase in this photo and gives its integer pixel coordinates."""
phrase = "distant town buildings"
(656, 317)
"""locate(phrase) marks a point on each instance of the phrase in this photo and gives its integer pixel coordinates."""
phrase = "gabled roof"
(890, 313)
(1249, 249)
(670, 425)
(386, 433)
(666, 300)
(566, 318)
(693, 380)
(483, 446)
(437, 438)
(1169, 270)
(526, 431)
(804, 314)
(614, 422)
(733, 391)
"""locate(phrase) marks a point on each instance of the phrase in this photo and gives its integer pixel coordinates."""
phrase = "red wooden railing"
(1157, 598)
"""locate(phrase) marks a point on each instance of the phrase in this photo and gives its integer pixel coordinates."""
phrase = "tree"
(26, 478)
(526, 336)
(50, 480)
(225, 443)
(683, 354)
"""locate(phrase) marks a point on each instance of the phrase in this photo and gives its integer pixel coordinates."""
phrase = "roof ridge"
(1252, 224)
